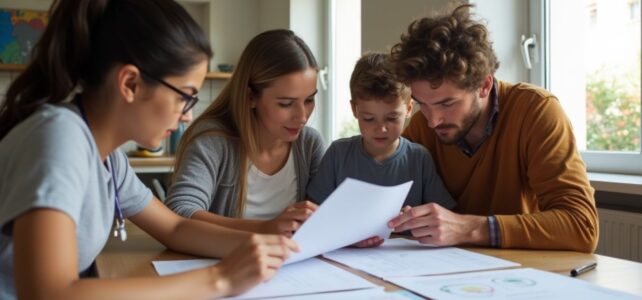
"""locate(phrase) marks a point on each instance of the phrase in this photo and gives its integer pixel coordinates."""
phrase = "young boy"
(379, 155)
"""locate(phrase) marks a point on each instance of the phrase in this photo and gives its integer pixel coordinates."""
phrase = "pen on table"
(583, 269)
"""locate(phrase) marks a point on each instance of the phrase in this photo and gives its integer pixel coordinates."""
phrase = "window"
(634, 10)
(594, 69)
(346, 50)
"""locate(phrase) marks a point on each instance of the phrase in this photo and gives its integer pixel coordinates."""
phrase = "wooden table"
(133, 258)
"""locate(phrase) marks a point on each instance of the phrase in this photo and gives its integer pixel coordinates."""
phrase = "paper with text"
(355, 211)
(508, 284)
(403, 257)
(306, 277)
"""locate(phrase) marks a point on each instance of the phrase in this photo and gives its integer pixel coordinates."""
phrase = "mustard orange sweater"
(528, 173)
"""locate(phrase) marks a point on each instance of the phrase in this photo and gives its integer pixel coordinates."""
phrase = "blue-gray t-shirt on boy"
(347, 158)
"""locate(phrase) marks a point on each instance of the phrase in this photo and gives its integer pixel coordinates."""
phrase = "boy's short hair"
(453, 47)
(372, 78)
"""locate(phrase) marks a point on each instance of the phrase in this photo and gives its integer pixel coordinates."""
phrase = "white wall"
(383, 21)
(274, 14)
(232, 24)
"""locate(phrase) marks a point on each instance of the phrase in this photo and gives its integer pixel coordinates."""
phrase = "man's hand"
(435, 225)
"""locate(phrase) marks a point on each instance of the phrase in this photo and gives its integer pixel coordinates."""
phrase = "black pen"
(583, 269)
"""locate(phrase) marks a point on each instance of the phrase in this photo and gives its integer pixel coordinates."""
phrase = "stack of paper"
(307, 277)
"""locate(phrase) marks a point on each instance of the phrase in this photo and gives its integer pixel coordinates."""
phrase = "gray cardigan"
(208, 176)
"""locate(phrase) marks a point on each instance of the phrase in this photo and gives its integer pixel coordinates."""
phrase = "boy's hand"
(372, 242)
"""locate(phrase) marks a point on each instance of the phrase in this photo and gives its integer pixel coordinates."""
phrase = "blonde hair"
(267, 57)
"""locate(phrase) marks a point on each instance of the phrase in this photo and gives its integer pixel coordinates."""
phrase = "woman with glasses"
(105, 72)
(246, 161)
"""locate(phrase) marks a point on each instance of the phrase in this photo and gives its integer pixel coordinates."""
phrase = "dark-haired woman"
(105, 72)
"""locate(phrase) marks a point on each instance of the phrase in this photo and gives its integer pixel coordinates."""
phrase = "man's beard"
(469, 122)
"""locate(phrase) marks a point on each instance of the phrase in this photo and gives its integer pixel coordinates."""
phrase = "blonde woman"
(246, 161)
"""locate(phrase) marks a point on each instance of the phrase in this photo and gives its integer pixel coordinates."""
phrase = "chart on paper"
(402, 258)
(508, 284)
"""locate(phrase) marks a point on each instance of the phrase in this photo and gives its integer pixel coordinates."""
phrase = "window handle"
(528, 44)
(323, 78)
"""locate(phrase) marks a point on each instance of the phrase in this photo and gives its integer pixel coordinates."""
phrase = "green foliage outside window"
(349, 128)
(613, 112)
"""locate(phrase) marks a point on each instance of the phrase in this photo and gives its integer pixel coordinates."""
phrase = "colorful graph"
(481, 290)
(469, 290)
(514, 282)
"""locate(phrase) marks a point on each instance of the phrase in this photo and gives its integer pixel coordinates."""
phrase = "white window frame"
(596, 161)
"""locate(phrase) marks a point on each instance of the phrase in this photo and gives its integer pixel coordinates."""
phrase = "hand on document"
(376, 241)
(435, 225)
(290, 219)
(255, 261)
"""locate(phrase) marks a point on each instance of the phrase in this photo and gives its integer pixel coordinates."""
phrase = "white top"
(268, 195)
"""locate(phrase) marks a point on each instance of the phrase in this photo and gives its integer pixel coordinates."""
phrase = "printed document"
(403, 258)
(508, 284)
(307, 277)
(355, 211)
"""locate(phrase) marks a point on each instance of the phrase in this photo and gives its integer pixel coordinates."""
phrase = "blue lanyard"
(119, 226)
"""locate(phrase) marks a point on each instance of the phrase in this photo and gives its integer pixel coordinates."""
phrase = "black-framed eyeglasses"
(190, 100)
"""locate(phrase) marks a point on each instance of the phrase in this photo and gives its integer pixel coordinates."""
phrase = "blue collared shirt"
(490, 125)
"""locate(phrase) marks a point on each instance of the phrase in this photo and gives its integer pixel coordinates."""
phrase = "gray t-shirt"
(50, 160)
(347, 158)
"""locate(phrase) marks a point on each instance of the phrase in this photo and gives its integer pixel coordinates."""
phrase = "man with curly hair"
(506, 152)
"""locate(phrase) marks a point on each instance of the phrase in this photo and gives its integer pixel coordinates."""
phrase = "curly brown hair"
(450, 47)
(373, 78)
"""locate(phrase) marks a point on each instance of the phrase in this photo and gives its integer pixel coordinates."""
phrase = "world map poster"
(20, 29)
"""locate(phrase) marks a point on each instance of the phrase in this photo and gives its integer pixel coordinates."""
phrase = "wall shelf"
(209, 75)
(161, 164)
(11, 67)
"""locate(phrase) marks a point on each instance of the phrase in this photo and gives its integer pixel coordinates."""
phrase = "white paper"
(369, 294)
(403, 257)
(355, 211)
(306, 277)
(508, 284)
(169, 267)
